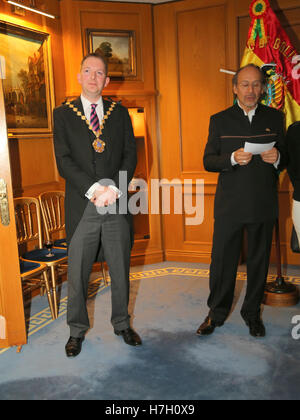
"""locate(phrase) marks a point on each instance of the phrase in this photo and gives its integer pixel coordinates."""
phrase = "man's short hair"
(235, 77)
(96, 55)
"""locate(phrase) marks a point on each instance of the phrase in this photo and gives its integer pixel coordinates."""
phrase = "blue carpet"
(168, 302)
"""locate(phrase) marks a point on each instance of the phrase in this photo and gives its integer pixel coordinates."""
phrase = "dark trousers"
(227, 243)
(112, 232)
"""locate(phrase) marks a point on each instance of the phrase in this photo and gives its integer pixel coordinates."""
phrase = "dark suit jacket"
(80, 165)
(246, 194)
(293, 145)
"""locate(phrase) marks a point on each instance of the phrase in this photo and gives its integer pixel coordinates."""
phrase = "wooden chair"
(33, 274)
(29, 230)
(53, 214)
(52, 206)
(53, 217)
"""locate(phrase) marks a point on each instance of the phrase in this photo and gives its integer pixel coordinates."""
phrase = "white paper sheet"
(257, 149)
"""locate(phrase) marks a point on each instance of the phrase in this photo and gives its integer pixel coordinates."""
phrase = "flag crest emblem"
(269, 47)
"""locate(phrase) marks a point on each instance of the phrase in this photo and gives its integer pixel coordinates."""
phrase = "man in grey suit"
(94, 147)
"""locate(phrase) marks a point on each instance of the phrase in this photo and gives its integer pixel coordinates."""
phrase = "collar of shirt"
(250, 114)
(87, 107)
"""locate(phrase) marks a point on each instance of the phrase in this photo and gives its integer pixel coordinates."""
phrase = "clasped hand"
(104, 196)
(243, 158)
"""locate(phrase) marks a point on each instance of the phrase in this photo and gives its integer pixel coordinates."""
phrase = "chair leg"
(103, 273)
(46, 281)
(53, 278)
(42, 290)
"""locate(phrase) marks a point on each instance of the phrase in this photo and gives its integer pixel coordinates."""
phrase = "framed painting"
(27, 79)
(119, 49)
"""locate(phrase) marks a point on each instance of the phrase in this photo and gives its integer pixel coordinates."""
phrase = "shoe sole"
(204, 334)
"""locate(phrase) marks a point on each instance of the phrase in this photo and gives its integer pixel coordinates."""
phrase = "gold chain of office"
(98, 144)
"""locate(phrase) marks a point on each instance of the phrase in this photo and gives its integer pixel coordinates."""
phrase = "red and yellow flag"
(269, 47)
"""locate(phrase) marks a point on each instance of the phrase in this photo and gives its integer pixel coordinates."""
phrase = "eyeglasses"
(254, 85)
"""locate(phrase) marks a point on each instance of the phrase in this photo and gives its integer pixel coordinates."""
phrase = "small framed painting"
(118, 47)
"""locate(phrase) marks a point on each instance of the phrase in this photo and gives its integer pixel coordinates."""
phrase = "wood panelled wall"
(32, 156)
(193, 40)
(77, 16)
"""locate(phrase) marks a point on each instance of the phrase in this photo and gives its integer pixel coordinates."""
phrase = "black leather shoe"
(73, 346)
(208, 326)
(130, 337)
(256, 327)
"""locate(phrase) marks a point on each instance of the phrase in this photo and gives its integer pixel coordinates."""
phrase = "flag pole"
(280, 293)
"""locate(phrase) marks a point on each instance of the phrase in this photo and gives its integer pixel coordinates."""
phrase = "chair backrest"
(28, 220)
(53, 213)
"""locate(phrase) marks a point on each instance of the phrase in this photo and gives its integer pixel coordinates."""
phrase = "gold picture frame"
(119, 48)
(27, 80)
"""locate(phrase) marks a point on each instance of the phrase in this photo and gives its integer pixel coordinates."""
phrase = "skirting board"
(187, 256)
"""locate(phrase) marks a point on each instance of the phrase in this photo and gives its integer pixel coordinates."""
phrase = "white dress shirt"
(87, 107)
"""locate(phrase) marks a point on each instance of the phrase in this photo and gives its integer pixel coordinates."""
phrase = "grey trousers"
(112, 232)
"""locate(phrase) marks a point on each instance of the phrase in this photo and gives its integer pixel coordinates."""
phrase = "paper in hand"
(257, 149)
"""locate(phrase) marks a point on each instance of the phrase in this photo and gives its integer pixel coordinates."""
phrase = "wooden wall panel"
(189, 54)
(193, 40)
(34, 167)
(201, 85)
(78, 15)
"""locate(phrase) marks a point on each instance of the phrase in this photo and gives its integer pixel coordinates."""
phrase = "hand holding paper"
(271, 156)
(268, 152)
(241, 157)
(258, 149)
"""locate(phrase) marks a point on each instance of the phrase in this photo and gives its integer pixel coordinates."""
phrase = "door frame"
(13, 326)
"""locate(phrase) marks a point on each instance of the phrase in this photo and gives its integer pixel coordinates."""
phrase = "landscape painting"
(119, 49)
(26, 79)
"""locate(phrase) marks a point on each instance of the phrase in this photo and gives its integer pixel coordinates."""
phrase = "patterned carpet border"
(43, 318)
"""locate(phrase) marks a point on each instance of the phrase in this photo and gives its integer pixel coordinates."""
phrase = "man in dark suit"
(95, 149)
(246, 198)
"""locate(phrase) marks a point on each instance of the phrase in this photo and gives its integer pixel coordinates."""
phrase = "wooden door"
(12, 319)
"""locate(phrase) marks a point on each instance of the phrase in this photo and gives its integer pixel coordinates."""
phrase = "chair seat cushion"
(60, 243)
(40, 255)
(26, 266)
